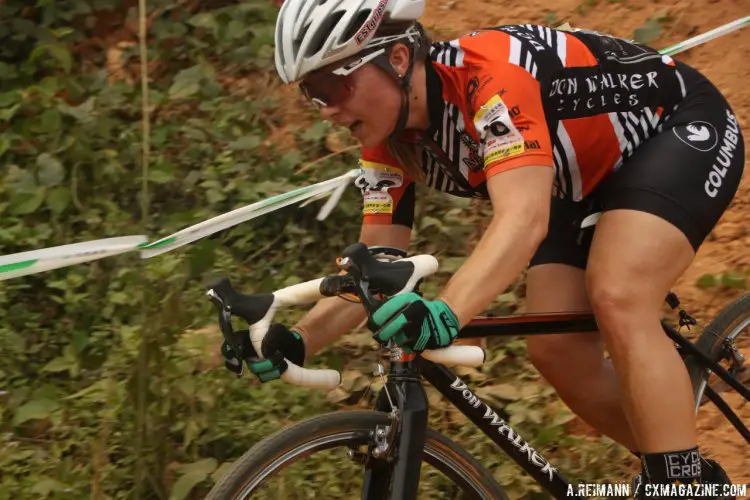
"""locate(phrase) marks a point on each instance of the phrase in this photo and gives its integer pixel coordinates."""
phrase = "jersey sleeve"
(509, 118)
(387, 191)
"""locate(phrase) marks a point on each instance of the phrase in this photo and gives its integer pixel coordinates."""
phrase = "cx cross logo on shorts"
(698, 135)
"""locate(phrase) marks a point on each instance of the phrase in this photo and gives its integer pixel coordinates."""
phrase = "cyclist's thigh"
(688, 173)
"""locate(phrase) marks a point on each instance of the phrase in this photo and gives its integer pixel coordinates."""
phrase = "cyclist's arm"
(521, 201)
(333, 317)
(509, 117)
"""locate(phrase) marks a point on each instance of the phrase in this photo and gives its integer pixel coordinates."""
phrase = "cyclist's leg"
(659, 206)
(574, 364)
(635, 258)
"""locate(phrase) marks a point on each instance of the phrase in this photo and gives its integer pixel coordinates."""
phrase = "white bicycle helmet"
(311, 34)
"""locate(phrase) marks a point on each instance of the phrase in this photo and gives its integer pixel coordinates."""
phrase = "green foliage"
(111, 389)
(731, 279)
(651, 29)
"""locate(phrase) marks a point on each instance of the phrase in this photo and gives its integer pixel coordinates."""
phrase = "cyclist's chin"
(369, 135)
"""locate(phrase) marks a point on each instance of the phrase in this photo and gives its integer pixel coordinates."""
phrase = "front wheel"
(270, 470)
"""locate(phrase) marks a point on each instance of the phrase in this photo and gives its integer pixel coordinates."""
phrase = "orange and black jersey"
(577, 101)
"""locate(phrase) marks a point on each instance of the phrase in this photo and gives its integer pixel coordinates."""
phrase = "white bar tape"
(311, 378)
(299, 294)
(457, 355)
(424, 265)
(295, 295)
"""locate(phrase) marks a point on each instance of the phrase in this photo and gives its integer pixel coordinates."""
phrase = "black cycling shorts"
(687, 174)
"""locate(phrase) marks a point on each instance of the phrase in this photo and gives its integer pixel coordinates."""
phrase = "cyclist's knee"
(621, 310)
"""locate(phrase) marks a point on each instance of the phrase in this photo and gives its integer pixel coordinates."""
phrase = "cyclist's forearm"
(501, 254)
(521, 200)
(327, 321)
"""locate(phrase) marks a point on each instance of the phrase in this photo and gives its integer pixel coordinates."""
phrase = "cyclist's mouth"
(354, 127)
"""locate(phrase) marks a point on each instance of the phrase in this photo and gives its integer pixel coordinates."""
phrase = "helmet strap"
(404, 82)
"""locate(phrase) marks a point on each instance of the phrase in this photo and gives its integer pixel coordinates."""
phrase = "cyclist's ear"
(399, 58)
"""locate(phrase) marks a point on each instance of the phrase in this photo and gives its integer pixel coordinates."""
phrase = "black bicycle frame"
(405, 388)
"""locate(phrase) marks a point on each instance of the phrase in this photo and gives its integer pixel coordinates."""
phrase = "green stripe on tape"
(158, 244)
(7, 268)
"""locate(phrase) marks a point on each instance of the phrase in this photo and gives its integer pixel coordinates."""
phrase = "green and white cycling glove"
(415, 323)
(278, 344)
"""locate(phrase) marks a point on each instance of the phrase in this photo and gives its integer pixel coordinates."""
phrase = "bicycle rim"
(726, 327)
(273, 455)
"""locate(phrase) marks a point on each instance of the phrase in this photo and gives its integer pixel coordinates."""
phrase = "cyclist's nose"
(329, 112)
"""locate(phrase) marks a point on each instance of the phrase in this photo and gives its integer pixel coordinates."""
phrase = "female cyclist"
(523, 115)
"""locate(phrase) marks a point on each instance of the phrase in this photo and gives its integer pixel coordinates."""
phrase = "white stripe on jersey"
(682, 83)
(558, 170)
(562, 47)
(570, 153)
(459, 53)
(515, 51)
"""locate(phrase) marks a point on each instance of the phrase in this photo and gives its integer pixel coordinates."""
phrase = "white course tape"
(37, 261)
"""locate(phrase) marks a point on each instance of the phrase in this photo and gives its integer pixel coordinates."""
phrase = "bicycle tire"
(729, 323)
(341, 429)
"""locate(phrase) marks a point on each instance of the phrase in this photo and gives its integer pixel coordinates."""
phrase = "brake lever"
(225, 325)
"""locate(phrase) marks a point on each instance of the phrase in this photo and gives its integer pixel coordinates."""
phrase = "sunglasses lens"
(326, 90)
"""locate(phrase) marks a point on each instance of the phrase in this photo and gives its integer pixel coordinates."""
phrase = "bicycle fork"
(396, 455)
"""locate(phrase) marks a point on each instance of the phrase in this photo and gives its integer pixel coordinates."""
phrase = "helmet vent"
(322, 33)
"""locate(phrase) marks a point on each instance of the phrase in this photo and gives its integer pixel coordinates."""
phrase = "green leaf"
(247, 142)
(27, 202)
(9, 98)
(6, 114)
(62, 31)
(161, 173)
(734, 279)
(182, 89)
(187, 82)
(707, 281)
(59, 364)
(51, 120)
(203, 20)
(647, 33)
(315, 133)
(58, 199)
(203, 256)
(98, 389)
(62, 55)
(51, 172)
(84, 112)
(43, 487)
(183, 486)
(33, 410)
(4, 145)
(205, 466)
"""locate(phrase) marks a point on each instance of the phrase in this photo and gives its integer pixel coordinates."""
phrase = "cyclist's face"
(366, 101)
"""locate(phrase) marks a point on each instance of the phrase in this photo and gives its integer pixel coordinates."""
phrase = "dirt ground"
(720, 60)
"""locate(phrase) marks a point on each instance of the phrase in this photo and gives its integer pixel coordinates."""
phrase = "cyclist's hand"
(415, 322)
(278, 344)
